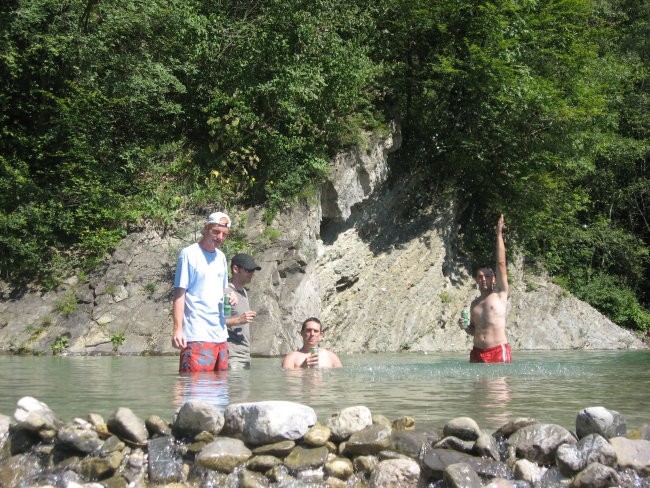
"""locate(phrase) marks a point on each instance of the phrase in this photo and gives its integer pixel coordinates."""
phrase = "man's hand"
(247, 317)
(311, 361)
(232, 299)
(178, 339)
(501, 224)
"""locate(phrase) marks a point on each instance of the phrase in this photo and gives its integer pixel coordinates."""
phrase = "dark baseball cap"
(245, 261)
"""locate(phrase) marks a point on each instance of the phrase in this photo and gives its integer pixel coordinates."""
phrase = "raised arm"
(501, 270)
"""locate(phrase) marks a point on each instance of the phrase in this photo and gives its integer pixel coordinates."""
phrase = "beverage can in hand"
(227, 309)
(465, 316)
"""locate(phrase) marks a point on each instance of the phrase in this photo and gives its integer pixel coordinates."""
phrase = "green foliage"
(537, 110)
(615, 300)
(60, 344)
(445, 297)
(117, 339)
(34, 331)
(67, 305)
(114, 114)
(269, 234)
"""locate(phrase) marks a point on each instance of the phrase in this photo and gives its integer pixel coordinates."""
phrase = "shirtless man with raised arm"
(488, 311)
(311, 333)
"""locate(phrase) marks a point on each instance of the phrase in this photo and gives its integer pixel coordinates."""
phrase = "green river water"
(433, 388)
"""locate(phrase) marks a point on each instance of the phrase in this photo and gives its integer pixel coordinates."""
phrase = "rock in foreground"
(278, 443)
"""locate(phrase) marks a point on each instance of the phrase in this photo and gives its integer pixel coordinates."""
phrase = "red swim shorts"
(204, 356)
(497, 354)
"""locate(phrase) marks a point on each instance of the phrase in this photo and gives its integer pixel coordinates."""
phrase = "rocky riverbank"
(277, 443)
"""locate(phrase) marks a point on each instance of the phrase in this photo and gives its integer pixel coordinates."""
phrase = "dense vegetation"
(118, 112)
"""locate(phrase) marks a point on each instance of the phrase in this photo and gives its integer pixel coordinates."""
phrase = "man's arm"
(178, 310)
(244, 318)
(289, 361)
(501, 270)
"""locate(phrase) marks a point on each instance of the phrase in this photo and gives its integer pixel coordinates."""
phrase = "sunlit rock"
(79, 438)
(461, 475)
(197, 416)
(538, 442)
(270, 421)
(600, 420)
(317, 435)
(348, 421)
(464, 428)
(128, 426)
(573, 458)
(633, 454)
(302, 458)
(596, 475)
(395, 472)
(224, 454)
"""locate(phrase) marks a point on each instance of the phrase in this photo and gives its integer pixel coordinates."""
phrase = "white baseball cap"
(218, 217)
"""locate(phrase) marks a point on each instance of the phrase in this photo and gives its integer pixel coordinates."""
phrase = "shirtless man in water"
(311, 333)
(488, 311)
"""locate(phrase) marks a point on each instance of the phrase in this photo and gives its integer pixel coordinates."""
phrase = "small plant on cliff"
(117, 339)
(270, 235)
(68, 304)
(445, 296)
(60, 344)
(34, 331)
(111, 289)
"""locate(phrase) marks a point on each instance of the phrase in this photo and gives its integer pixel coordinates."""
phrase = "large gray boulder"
(348, 421)
(600, 420)
(539, 442)
(196, 416)
(270, 421)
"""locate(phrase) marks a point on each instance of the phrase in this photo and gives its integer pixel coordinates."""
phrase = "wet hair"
(311, 319)
(487, 269)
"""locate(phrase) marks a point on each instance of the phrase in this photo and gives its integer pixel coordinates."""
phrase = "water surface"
(433, 388)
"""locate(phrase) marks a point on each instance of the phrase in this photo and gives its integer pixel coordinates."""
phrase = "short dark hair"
(311, 319)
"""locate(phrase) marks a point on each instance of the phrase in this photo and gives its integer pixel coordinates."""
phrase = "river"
(433, 388)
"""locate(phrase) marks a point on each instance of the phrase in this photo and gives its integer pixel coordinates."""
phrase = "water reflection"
(209, 387)
(493, 396)
(304, 382)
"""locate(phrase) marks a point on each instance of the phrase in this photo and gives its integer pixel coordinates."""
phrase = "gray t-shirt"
(239, 336)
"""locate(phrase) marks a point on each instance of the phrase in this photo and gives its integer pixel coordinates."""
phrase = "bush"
(614, 300)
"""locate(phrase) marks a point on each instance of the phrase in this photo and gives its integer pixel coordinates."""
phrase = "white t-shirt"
(204, 276)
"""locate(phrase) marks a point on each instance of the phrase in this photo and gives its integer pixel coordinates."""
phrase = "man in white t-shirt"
(198, 312)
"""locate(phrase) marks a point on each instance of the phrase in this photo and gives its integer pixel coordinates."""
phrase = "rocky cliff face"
(376, 263)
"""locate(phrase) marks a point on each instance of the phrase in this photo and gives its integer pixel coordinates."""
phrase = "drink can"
(314, 350)
(465, 316)
(227, 309)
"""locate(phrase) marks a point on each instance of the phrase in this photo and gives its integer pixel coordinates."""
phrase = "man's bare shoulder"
(333, 359)
(292, 360)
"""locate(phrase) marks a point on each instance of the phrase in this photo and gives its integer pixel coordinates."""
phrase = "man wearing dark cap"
(242, 266)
